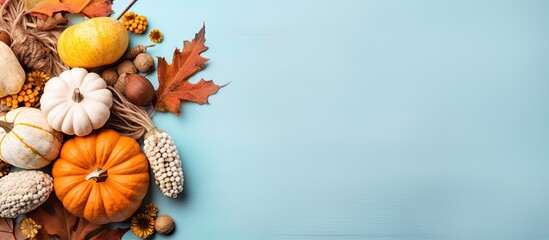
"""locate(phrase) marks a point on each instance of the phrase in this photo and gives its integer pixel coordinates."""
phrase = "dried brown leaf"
(57, 222)
(10, 232)
(53, 22)
(90, 8)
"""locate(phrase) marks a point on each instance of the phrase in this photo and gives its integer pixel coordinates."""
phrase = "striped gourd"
(27, 140)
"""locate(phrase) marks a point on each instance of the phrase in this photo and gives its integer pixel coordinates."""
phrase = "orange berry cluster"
(30, 92)
(134, 23)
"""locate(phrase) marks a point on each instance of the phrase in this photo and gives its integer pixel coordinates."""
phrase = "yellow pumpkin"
(93, 43)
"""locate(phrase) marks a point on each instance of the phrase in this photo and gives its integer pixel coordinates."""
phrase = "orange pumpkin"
(102, 177)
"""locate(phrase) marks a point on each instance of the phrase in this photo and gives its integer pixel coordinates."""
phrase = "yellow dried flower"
(156, 36)
(29, 228)
(4, 168)
(151, 209)
(38, 76)
(142, 225)
(134, 23)
(30, 92)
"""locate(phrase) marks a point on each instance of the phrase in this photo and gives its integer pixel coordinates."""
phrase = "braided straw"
(127, 118)
(36, 49)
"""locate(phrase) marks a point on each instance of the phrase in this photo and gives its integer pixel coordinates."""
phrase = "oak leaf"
(173, 79)
(90, 8)
(10, 232)
(58, 223)
(98, 8)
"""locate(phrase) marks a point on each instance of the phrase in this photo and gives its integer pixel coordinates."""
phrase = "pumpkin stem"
(77, 96)
(98, 175)
(7, 126)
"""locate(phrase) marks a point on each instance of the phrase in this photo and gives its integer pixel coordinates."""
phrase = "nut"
(120, 83)
(110, 76)
(164, 224)
(138, 90)
(126, 66)
(144, 62)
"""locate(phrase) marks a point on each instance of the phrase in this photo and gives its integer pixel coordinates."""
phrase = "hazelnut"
(138, 90)
(126, 66)
(110, 76)
(144, 62)
(164, 224)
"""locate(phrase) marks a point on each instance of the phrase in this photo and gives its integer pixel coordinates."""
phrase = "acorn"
(164, 224)
(138, 89)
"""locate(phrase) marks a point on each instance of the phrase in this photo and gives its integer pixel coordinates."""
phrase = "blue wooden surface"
(362, 119)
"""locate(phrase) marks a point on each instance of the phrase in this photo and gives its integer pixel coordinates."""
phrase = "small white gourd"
(27, 140)
(76, 102)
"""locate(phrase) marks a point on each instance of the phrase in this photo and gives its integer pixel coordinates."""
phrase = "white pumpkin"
(12, 75)
(26, 139)
(76, 102)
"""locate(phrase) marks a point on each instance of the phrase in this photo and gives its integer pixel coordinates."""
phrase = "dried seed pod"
(5, 37)
(165, 162)
(144, 62)
(133, 52)
(110, 75)
(126, 66)
(120, 83)
(138, 90)
(164, 224)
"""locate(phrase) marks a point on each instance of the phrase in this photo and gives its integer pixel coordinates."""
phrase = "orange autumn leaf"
(173, 79)
(98, 8)
(89, 8)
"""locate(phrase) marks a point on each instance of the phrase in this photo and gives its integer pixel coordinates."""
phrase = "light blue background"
(361, 119)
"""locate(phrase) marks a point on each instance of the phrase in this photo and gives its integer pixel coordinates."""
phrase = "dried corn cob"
(160, 150)
(164, 160)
